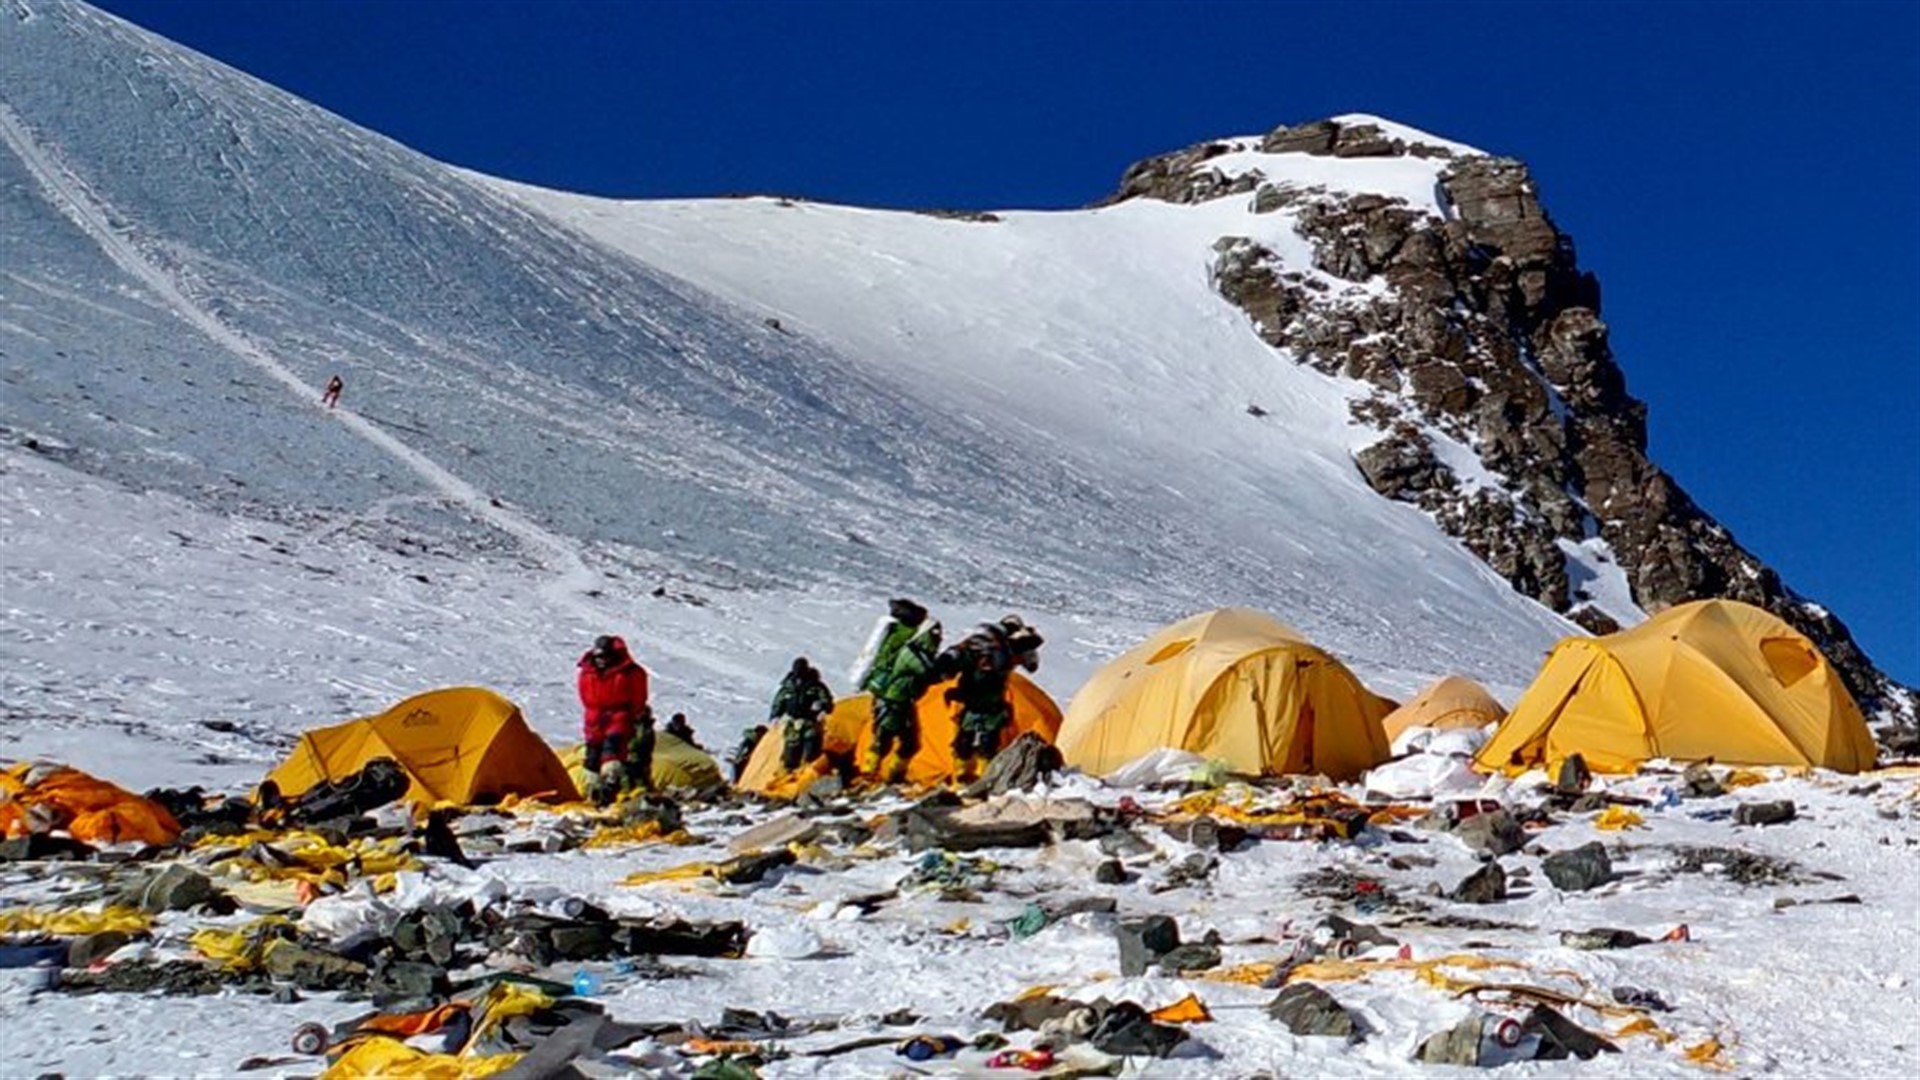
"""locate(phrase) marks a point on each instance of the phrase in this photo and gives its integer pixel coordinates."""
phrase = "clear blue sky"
(1743, 177)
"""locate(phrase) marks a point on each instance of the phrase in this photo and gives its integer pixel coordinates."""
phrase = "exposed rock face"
(1489, 333)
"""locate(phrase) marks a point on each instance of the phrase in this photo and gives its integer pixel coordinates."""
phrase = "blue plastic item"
(585, 983)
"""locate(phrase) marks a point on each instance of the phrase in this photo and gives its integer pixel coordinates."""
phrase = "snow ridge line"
(85, 210)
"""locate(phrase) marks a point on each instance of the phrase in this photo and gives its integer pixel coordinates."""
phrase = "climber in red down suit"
(613, 696)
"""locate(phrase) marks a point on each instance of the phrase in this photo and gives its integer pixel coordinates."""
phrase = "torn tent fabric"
(36, 797)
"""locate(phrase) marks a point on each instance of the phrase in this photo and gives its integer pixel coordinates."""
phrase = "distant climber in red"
(332, 396)
(613, 696)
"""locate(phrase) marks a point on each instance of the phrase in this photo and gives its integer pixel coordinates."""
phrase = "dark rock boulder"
(312, 969)
(1190, 956)
(1487, 885)
(1582, 868)
(1561, 1038)
(86, 950)
(1491, 833)
(1144, 941)
(1027, 762)
(1178, 177)
(1306, 1009)
(174, 888)
(1458, 1045)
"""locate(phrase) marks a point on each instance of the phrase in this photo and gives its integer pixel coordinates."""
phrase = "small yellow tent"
(1451, 702)
(461, 745)
(1709, 679)
(677, 763)
(849, 734)
(1233, 685)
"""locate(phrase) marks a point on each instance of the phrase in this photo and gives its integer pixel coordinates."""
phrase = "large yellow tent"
(1451, 702)
(1232, 685)
(461, 745)
(1709, 679)
(677, 763)
(849, 734)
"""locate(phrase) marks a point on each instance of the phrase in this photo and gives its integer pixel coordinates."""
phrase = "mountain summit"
(1500, 408)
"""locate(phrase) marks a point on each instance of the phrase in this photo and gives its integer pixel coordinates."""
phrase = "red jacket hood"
(621, 657)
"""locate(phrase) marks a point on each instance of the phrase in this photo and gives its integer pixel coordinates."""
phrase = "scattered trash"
(1602, 939)
(1737, 865)
(928, 1047)
(1764, 813)
(1700, 783)
(1617, 818)
(1641, 999)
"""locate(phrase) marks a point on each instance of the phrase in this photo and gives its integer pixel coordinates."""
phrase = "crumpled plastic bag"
(344, 914)
(1422, 776)
(1165, 765)
(791, 942)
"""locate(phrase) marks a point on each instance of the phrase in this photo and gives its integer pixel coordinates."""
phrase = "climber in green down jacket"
(896, 691)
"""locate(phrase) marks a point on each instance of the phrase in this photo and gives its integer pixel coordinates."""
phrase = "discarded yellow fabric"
(74, 922)
(646, 832)
(1188, 1010)
(718, 1047)
(1642, 1025)
(683, 872)
(35, 797)
(502, 1002)
(1616, 818)
(1707, 1055)
(265, 897)
(1740, 778)
(306, 856)
(1241, 974)
(382, 1058)
(1349, 970)
(239, 949)
(1239, 804)
(1463, 987)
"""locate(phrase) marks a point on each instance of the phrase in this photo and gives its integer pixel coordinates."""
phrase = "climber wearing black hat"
(802, 702)
(982, 663)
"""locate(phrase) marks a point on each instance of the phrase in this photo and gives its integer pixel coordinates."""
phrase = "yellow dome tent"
(462, 745)
(1709, 679)
(849, 734)
(1233, 685)
(677, 763)
(1451, 702)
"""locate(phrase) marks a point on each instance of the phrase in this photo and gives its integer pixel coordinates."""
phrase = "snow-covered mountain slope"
(1046, 413)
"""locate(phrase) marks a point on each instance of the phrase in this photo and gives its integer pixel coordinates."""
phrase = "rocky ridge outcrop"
(1489, 334)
